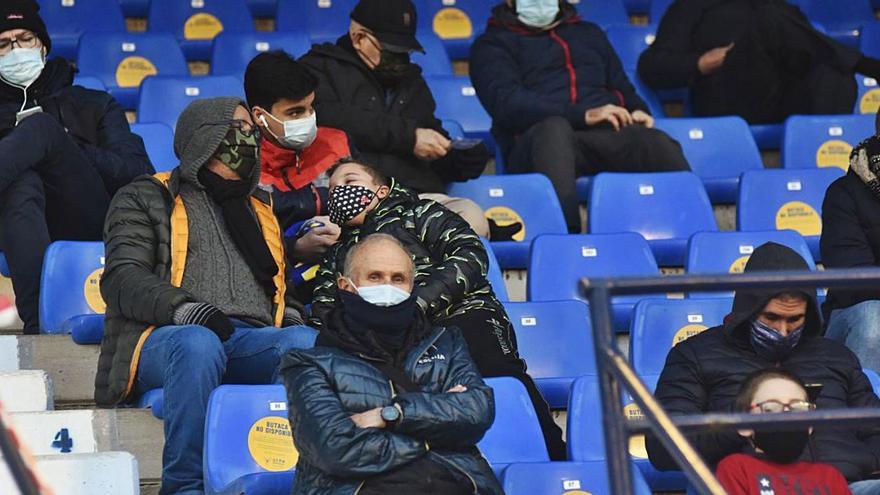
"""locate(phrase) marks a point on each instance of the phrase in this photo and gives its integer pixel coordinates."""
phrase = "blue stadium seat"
(637, 7)
(629, 42)
(651, 97)
(135, 8)
(842, 19)
(823, 141)
(496, 278)
(559, 261)
(525, 198)
(322, 20)
(453, 128)
(154, 400)
(658, 8)
(868, 101)
(767, 136)
(718, 149)
(515, 436)
(233, 51)
(728, 252)
(457, 100)
(248, 442)
(123, 60)
(785, 199)
(604, 13)
(561, 477)
(659, 324)
(4, 265)
(456, 22)
(68, 20)
(164, 98)
(195, 23)
(159, 141)
(70, 294)
(263, 8)
(556, 340)
(869, 40)
(435, 61)
(874, 378)
(89, 82)
(665, 208)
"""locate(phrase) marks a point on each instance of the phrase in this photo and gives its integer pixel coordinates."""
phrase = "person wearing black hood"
(386, 402)
(560, 101)
(66, 150)
(771, 329)
(369, 88)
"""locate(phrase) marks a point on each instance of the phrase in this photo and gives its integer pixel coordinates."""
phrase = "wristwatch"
(390, 415)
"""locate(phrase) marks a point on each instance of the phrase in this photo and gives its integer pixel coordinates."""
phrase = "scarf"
(864, 161)
(233, 196)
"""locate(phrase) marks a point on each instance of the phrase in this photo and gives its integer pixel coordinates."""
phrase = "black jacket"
(523, 75)
(705, 372)
(382, 125)
(92, 118)
(850, 235)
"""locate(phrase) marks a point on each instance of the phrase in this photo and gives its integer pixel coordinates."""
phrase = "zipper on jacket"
(569, 66)
(460, 470)
(359, 488)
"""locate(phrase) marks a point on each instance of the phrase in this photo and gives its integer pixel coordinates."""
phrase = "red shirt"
(287, 170)
(741, 474)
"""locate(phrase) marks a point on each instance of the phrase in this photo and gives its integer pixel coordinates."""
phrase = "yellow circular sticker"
(799, 216)
(739, 265)
(834, 153)
(636, 442)
(202, 26)
(92, 291)
(270, 443)
(132, 70)
(450, 23)
(503, 215)
(870, 102)
(686, 332)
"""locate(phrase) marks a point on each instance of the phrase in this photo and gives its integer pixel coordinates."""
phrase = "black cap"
(23, 14)
(393, 22)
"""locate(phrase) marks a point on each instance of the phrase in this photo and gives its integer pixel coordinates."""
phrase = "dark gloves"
(462, 164)
(205, 315)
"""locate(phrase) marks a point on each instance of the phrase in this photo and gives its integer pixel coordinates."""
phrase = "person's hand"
(310, 248)
(457, 389)
(430, 145)
(205, 315)
(640, 117)
(618, 117)
(713, 59)
(369, 419)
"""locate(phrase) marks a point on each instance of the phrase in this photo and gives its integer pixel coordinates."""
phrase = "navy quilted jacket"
(326, 385)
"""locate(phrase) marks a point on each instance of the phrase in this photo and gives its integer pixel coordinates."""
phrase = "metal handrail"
(615, 371)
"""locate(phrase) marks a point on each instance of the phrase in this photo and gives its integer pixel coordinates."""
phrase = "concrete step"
(22, 391)
(71, 367)
(90, 431)
(82, 474)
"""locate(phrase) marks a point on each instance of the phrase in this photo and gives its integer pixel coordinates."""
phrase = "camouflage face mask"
(238, 151)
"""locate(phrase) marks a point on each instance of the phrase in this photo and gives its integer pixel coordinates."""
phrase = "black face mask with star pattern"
(347, 202)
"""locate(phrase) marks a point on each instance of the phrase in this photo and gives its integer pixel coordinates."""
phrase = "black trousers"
(48, 191)
(781, 66)
(552, 147)
(492, 344)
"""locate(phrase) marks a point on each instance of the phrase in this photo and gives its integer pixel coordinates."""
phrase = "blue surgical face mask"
(537, 13)
(22, 66)
(381, 295)
(770, 344)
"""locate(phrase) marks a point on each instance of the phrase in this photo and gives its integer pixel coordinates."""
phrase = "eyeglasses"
(23, 40)
(774, 406)
(244, 126)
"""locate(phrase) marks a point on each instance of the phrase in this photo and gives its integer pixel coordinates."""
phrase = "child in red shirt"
(774, 469)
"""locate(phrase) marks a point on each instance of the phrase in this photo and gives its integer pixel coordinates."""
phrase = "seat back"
(629, 42)
(159, 141)
(70, 282)
(247, 433)
(716, 147)
(199, 20)
(558, 262)
(658, 8)
(564, 478)
(869, 39)
(164, 98)
(515, 436)
(457, 100)
(868, 101)
(604, 13)
(659, 324)
(454, 19)
(435, 61)
(67, 21)
(124, 60)
(838, 15)
(823, 141)
(233, 51)
(526, 198)
(668, 205)
(494, 274)
(454, 129)
(321, 20)
(89, 82)
(728, 252)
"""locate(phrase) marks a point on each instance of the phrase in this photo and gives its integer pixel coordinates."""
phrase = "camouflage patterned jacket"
(451, 262)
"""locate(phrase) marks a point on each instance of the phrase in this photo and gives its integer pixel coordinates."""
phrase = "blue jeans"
(189, 362)
(867, 487)
(858, 327)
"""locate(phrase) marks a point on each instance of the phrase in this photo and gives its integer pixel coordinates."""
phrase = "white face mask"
(298, 134)
(537, 13)
(381, 295)
(22, 66)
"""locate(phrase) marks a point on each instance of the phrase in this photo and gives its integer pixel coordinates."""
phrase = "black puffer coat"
(326, 385)
(705, 372)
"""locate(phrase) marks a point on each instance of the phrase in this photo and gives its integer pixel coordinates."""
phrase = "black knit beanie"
(23, 14)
